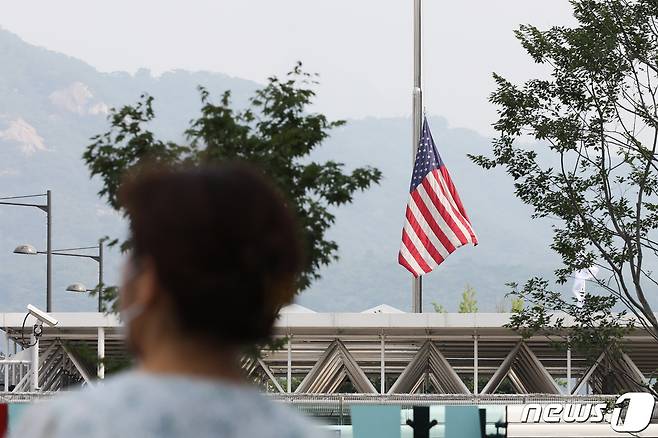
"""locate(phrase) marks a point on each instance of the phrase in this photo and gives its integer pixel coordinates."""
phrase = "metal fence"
(335, 408)
(26, 397)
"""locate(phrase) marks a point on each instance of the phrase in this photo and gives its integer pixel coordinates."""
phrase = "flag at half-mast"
(436, 223)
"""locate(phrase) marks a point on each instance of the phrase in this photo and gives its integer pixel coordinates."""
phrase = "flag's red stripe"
(453, 192)
(414, 252)
(458, 202)
(404, 262)
(424, 239)
(434, 226)
(442, 176)
(443, 210)
(459, 211)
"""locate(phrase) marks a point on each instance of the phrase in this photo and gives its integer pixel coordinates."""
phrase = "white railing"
(13, 371)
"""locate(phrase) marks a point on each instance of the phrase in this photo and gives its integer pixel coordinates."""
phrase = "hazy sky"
(361, 48)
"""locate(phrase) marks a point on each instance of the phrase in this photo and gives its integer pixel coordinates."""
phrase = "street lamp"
(47, 208)
(26, 249)
(78, 288)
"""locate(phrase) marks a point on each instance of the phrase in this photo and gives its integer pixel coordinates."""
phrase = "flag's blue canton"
(427, 157)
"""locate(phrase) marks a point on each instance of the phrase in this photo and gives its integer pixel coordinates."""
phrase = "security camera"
(41, 315)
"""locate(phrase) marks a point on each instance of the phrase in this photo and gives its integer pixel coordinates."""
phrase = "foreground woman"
(215, 254)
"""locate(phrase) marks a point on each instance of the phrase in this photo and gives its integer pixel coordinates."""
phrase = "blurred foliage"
(439, 308)
(468, 303)
(517, 304)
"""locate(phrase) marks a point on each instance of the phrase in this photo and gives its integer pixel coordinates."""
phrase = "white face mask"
(133, 311)
(130, 313)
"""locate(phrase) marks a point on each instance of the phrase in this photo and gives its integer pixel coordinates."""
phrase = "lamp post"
(75, 287)
(47, 208)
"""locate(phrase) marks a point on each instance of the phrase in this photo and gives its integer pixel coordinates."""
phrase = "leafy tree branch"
(581, 148)
(276, 131)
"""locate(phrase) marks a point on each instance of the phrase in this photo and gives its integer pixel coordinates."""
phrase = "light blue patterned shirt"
(137, 404)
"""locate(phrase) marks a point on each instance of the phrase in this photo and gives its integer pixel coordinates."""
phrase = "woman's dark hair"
(224, 244)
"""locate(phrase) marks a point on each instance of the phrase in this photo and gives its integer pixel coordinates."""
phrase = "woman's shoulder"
(78, 412)
(172, 406)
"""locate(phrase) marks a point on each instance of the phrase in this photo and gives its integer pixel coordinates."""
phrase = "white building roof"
(383, 308)
(296, 308)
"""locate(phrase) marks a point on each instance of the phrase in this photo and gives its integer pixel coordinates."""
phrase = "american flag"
(436, 223)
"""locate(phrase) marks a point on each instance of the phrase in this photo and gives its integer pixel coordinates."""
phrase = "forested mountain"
(51, 104)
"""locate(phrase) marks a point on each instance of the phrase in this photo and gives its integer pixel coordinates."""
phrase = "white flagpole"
(417, 285)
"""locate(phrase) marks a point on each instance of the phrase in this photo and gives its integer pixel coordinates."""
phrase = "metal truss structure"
(376, 354)
(452, 354)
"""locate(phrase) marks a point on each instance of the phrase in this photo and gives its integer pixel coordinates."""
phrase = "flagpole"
(417, 285)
